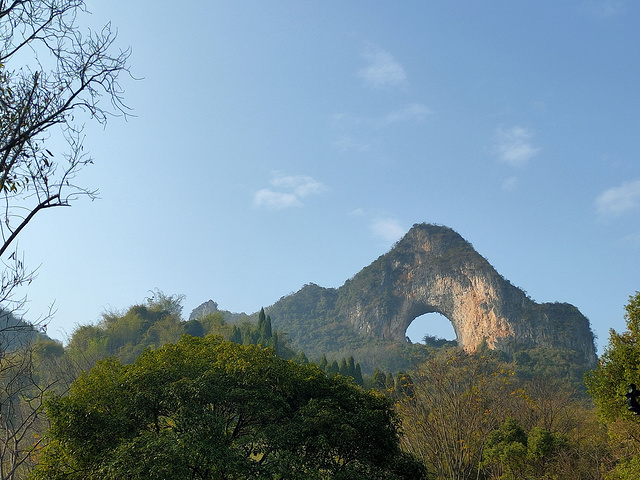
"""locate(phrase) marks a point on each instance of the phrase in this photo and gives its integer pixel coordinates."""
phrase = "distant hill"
(431, 269)
(15, 331)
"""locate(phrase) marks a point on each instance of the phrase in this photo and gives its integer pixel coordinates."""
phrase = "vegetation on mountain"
(206, 408)
(158, 321)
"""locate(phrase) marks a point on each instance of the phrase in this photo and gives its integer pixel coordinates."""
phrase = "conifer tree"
(351, 367)
(357, 376)
(236, 335)
(343, 368)
(266, 331)
(262, 319)
(323, 363)
(333, 368)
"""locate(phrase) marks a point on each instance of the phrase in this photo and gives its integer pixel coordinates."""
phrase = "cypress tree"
(267, 332)
(333, 368)
(323, 363)
(236, 335)
(351, 367)
(261, 320)
(357, 376)
(343, 368)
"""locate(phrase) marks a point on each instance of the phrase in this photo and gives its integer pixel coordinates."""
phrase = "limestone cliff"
(431, 269)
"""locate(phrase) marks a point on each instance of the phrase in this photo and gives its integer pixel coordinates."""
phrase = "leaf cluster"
(205, 408)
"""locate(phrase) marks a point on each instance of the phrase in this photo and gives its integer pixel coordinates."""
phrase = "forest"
(145, 393)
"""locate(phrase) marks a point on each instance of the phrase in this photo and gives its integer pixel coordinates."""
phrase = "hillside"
(431, 269)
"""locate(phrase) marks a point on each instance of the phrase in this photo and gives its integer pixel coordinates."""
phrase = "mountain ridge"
(431, 269)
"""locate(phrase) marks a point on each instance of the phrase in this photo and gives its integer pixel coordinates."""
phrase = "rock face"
(203, 310)
(433, 269)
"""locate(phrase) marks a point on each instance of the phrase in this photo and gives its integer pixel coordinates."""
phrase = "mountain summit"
(431, 269)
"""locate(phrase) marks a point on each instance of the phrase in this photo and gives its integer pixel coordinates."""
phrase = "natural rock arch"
(431, 324)
(433, 269)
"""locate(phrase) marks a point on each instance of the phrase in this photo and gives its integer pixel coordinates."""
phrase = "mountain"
(431, 269)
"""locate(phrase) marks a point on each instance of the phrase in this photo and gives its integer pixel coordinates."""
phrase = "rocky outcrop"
(433, 269)
(204, 309)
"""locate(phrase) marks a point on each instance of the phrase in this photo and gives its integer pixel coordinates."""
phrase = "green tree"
(506, 451)
(510, 453)
(343, 369)
(619, 366)
(333, 368)
(205, 408)
(267, 331)
(379, 380)
(357, 376)
(236, 335)
(323, 363)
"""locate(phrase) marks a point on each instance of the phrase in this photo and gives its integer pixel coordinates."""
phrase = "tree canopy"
(206, 408)
(620, 366)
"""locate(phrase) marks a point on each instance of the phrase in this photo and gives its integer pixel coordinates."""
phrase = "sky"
(275, 144)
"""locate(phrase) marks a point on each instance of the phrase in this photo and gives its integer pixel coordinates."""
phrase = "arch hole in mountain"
(431, 324)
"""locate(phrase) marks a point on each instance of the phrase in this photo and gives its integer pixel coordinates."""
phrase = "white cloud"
(359, 133)
(415, 112)
(509, 184)
(619, 200)
(382, 70)
(275, 200)
(388, 229)
(605, 8)
(287, 192)
(347, 142)
(300, 185)
(513, 146)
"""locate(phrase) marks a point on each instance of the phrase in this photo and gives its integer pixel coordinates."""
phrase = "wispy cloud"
(381, 70)
(358, 133)
(619, 200)
(509, 184)
(632, 239)
(411, 113)
(387, 229)
(287, 191)
(416, 112)
(604, 8)
(350, 143)
(514, 147)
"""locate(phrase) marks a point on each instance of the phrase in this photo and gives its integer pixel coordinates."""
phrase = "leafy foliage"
(511, 453)
(205, 408)
(619, 366)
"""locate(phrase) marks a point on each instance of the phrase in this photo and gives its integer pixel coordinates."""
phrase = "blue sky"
(276, 144)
